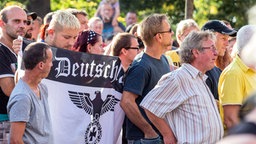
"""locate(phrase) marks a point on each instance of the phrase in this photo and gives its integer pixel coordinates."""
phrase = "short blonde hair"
(93, 20)
(183, 25)
(64, 20)
(150, 26)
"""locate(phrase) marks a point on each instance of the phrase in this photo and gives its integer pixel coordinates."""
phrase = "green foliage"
(205, 10)
(173, 8)
(233, 11)
(89, 6)
(21, 3)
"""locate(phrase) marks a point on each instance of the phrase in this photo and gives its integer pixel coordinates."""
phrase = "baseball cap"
(218, 26)
(32, 14)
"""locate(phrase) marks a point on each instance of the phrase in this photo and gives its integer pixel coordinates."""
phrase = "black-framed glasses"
(169, 31)
(137, 48)
(212, 48)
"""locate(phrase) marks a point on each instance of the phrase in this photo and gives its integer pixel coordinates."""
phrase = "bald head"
(13, 22)
(10, 12)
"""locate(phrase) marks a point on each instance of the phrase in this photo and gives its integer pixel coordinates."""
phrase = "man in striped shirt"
(181, 105)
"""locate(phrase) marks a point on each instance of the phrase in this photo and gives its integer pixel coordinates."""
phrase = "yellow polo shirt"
(174, 56)
(236, 82)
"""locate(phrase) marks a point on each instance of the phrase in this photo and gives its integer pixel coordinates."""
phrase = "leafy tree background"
(235, 11)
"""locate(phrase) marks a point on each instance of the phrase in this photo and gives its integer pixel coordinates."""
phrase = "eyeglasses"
(169, 31)
(29, 22)
(137, 48)
(212, 48)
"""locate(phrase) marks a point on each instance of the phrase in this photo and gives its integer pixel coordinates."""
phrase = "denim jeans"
(156, 140)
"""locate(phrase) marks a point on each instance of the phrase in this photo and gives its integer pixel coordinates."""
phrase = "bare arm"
(7, 85)
(163, 127)
(132, 111)
(17, 131)
(97, 13)
(231, 115)
(116, 15)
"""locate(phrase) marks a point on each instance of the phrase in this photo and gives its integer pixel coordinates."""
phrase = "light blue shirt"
(25, 106)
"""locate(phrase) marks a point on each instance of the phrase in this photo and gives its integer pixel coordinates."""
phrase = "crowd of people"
(194, 92)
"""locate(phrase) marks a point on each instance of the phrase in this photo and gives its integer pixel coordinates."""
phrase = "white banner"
(84, 93)
(84, 118)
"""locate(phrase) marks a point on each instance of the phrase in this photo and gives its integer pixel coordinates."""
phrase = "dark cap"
(32, 14)
(218, 26)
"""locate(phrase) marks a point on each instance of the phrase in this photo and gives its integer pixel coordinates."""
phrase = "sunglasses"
(136, 48)
(169, 31)
(29, 22)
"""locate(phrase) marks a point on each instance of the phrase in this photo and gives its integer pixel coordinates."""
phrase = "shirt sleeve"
(19, 108)
(231, 89)
(135, 80)
(6, 68)
(165, 96)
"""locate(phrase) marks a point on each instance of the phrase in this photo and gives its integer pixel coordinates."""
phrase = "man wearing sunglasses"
(143, 75)
(31, 17)
(13, 20)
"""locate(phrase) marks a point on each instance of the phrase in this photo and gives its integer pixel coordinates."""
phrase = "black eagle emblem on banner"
(96, 108)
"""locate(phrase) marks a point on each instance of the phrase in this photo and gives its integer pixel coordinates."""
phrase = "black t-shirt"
(8, 66)
(213, 80)
(142, 77)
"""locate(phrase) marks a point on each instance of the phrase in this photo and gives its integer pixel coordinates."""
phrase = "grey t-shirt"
(25, 106)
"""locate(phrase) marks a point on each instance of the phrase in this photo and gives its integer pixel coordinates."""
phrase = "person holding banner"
(126, 47)
(13, 22)
(28, 105)
(61, 33)
(143, 75)
(63, 30)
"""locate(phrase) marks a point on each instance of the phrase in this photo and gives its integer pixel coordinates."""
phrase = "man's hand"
(16, 45)
(150, 134)
(132, 111)
(114, 23)
(170, 139)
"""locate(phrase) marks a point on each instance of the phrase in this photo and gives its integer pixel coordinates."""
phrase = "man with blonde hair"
(63, 30)
(61, 33)
(145, 71)
(184, 27)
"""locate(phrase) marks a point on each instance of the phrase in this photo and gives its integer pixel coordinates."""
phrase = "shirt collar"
(241, 64)
(194, 72)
